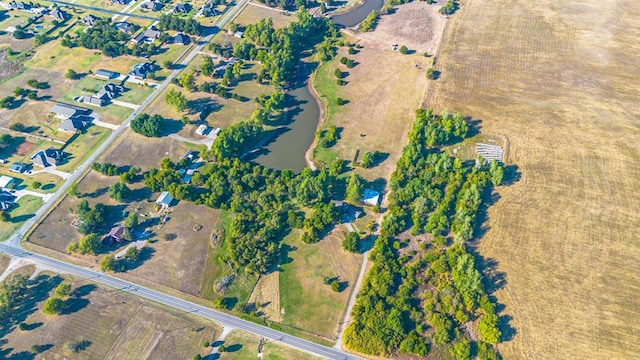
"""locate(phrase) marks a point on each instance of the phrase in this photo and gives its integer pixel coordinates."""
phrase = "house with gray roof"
(125, 27)
(58, 14)
(65, 111)
(89, 20)
(141, 70)
(106, 74)
(46, 158)
(19, 5)
(152, 5)
(73, 124)
(7, 200)
(181, 39)
(182, 8)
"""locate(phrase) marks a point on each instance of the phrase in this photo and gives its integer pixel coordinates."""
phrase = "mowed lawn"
(241, 345)
(113, 325)
(560, 81)
(306, 302)
(24, 209)
(383, 90)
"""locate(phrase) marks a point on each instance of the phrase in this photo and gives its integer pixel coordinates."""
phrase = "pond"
(357, 15)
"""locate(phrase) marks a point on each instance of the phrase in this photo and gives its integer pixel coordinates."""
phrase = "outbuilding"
(6, 181)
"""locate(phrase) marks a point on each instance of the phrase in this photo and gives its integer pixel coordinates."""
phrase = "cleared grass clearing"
(252, 14)
(55, 57)
(381, 107)
(81, 147)
(242, 345)
(24, 209)
(560, 81)
(306, 302)
(115, 325)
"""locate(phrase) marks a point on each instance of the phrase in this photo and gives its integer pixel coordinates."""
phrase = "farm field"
(560, 81)
(113, 325)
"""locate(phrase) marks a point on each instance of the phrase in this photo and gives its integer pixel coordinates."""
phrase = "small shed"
(371, 197)
(18, 167)
(164, 200)
(6, 181)
(202, 130)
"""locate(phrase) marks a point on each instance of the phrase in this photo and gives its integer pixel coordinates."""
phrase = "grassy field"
(253, 14)
(21, 212)
(244, 346)
(306, 302)
(560, 81)
(83, 146)
(113, 324)
(380, 109)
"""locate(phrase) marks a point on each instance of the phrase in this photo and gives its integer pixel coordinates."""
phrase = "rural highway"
(13, 246)
(182, 305)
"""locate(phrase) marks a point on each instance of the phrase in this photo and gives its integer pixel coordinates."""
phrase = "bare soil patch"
(417, 25)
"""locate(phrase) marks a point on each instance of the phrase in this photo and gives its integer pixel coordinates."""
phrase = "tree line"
(414, 301)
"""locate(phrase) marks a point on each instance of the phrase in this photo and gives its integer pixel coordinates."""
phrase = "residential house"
(19, 5)
(109, 92)
(120, 2)
(114, 236)
(6, 200)
(125, 27)
(371, 197)
(18, 167)
(148, 36)
(58, 14)
(164, 201)
(106, 74)
(141, 70)
(73, 124)
(239, 34)
(65, 111)
(6, 181)
(92, 100)
(182, 8)
(89, 20)
(46, 158)
(209, 10)
(181, 39)
(152, 5)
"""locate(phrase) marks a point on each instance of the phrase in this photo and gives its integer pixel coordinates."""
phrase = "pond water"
(288, 145)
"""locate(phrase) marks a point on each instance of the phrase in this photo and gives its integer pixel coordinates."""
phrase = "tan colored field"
(383, 91)
(267, 293)
(244, 346)
(417, 25)
(561, 81)
(115, 326)
(254, 12)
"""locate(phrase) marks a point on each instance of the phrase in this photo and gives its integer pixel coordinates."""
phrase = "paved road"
(183, 305)
(103, 10)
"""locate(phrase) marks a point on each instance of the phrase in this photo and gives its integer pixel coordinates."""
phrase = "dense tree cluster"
(171, 22)
(234, 140)
(104, 37)
(370, 22)
(439, 287)
(279, 49)
(148, 125)
(119, 192)
(90, 219)
(176, 99)
(286, 4)
(12, 290)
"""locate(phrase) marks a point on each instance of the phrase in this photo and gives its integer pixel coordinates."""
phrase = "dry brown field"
(114, 325)
(244, 346)
(561, 80)
(254, 13)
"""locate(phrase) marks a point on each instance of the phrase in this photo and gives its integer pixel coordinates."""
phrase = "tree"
(131, 221)
(6, 102)
(488, 328)
(403, 50)
(63, 290)
(4, 216)
(167, 64)
(207, 65)
(176, 99)
(431, 74)
(36, 184)
(119, 192)
(187, 81)
(73, 189)
(37, 84)
(19, 127)
(5, 140)
(355, 188)
(53, 306)
(132, 254)
(89, 244)
(496, 171)
(367, 160)
(108, 263)
(339, 74)
(148, 125)
(71, 74)
(351, 242)
(20, 34)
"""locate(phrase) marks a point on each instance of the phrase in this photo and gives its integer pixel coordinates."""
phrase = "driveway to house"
(103, 124)
(125, 104)
(24, 192)
(52, 170)
(206, 141)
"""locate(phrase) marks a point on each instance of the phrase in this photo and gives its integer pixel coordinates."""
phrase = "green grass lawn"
(86, 86)
(324, 82)
(240, 346)
(136, 93)
(83, 146)
(170, 52)
(21, 212)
